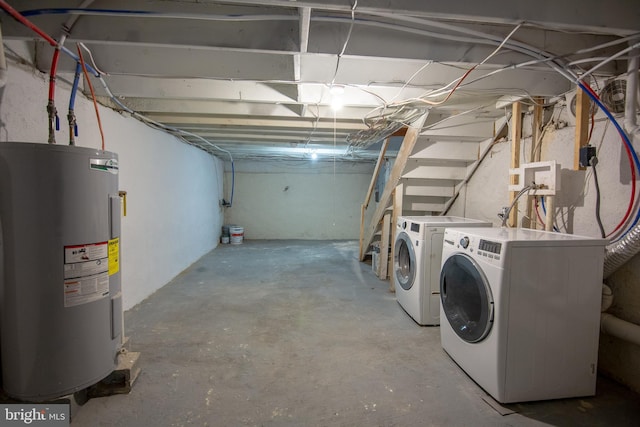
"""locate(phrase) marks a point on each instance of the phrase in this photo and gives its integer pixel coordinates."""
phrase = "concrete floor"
(299, 333)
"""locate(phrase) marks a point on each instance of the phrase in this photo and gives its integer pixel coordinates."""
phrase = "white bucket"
(224, 239)
(237, 234)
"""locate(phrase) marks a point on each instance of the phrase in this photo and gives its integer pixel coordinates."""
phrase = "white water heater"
(60, 296)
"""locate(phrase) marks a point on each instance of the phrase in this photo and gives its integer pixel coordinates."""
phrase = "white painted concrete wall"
(173, 189)
(486, 193)
(298, 200)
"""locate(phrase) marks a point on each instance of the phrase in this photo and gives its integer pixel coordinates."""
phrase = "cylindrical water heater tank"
(60, 299)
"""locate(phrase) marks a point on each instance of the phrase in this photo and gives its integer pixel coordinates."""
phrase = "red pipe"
(52, 74)
(24, 21)
(633, 177)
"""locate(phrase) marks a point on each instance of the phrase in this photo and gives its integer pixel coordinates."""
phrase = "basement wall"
(173, 189)
(487, 192)
(298, 199)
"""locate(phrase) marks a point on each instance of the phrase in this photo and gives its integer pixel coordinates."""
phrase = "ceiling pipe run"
(630, 119)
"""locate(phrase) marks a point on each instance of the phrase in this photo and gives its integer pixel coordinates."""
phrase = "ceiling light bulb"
(314, 156)
(336, 103)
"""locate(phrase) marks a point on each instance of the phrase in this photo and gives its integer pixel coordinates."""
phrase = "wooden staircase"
(437, 157)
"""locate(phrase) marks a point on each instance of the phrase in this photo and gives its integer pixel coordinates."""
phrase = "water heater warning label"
(86, 273)
(114, 256)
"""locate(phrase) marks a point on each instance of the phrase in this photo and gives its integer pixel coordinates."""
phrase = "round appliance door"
(404, 261)
(466, 298)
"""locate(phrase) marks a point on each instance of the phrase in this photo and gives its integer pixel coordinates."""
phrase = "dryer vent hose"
(622, 251)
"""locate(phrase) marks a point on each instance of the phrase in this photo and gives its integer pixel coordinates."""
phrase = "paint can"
(224, 240)
(237, 234)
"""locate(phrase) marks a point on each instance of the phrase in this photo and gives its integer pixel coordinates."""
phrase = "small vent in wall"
(613, 95)
(593, 108)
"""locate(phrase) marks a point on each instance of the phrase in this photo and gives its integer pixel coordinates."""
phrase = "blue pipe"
(625, 138)
(77, 59)
(65, 11)
(233, 182)
(74, 88)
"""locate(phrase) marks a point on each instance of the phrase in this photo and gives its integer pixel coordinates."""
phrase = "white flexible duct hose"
(619, 253)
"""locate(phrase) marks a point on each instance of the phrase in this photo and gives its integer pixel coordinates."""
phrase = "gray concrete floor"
(299, 333)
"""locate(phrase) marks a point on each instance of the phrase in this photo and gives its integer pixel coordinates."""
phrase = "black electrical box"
(586, 154)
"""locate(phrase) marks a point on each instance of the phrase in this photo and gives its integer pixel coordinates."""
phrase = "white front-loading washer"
(520, 310)
(416, 263)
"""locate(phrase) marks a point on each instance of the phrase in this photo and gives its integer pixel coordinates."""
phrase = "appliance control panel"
(484, 249)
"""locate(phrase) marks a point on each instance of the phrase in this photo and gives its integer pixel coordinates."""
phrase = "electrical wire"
(593, 162)
(174, 131)
(518, 47)
(93, 62)
(344, 46)
(93, 95)
(540, 220)
(410, 79)
(633, 158)
(457, 82)
(609, 59)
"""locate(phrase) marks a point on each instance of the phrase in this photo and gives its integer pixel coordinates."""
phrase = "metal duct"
(619, 253)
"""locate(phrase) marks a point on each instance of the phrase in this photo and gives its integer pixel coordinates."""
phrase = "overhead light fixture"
(336, 102)
(336, 92)
(314, 155)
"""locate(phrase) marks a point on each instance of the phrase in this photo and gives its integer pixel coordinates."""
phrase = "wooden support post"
(383, 260)
(535, 154)
(551, 207)
(398, 194)
(367, 197)
(516, 132)
(408, 143)
(376, 172)
(582, 127)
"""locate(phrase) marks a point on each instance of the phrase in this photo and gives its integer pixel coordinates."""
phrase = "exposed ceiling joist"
(244, 72)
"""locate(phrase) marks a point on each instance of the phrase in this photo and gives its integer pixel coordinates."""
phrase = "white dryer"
(416, 263)
(520, 310)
